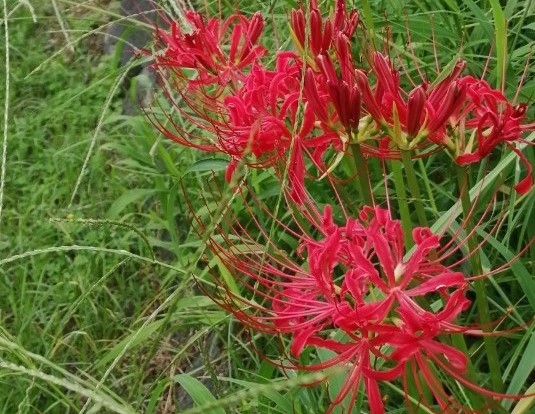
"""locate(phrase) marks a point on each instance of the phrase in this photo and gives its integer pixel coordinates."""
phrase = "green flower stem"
(479, 285)
(414, 188)
(363, 175)
(403, 203)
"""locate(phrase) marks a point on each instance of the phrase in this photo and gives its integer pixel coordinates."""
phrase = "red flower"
(410, 118)
(220, 54)
(494, 120)
(262, 117)
(339, 90)
(335, 98)
(262, 122)
(217, 49)
(258, 111)
(321, 36)
(359, 294)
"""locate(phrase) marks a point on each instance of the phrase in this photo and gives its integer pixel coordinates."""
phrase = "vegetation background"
(98, 307)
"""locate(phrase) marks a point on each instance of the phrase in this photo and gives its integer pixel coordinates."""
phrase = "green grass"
(72, 307)
(99, 311)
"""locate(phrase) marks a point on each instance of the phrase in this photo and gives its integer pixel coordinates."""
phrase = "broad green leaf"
(168, 161)
(447, 70)
(336, 382)
(252, 392)
(489, 182)
(283, 403)
(480, 17)
(132, 340)
(156, 395)
(226, 275)
(140, 335)
(368, 19)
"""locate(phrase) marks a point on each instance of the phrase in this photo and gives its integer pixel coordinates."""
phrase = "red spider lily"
(221, 52)
(217, 49)
(262, 117)
(359, 293)
(257, 117)
(383, 311)
(322, 85)
(410, 118)
(445, 114)
(493, 120)
(340, 91)
(321, 35)
(263, 122)
(258, 111)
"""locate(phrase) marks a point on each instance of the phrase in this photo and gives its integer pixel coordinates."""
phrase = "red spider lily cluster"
(376, 306)
(383, 308)
(319, 98)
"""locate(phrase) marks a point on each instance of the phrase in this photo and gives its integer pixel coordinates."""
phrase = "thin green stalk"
(403, 203)
(414, 188)
(479, 285)
(363, 175)
(427, 186)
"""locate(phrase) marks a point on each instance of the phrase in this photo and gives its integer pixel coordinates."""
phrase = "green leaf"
(198, 392)
(523, 371)
(368, 19)
(500, 28)
(524, 405)
(142, 334)
(479, 189)
(283, 403)
(523, 276)
(447, 70)
(97, 396)
(131, 341)
(226, 275)
(208, 164)
(168, 161)
(156, 396)
(127, 198)
(336, 383)
(480, 18)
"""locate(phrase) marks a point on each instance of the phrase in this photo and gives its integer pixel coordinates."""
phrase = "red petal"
(441, 281)
(465, 159)
(231, 167)
(374, 396)
(456, 358)
(526, 183)
(415, 112)
(300, 340)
